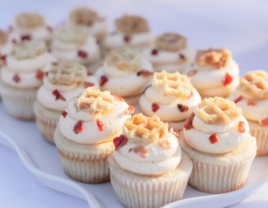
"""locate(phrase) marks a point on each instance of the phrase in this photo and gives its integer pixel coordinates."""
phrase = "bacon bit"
(144, 73)
(100, 125)
(140, 150)
(103, 80)
(127, 39)
(3, 58)
(119, 142)
(165, 144)
(130, 110)
(241, 127)
(50, 29)
(189, 123)
(252, 103)
(54, 63)
(191, 94)
(130, 150)
(89, 74)
(25, 37)
(213, 139)
(46, 73)
(39, 74)
(182, 57)
(16, 78)
(183, 108)
(154, 52)
(64, 114)
(191, 73)
(14, 41)
(82, 54)
(119, 98)
(174, 132)
(155, 107)
(228, 79)
(265, 122)
(78, 127)
(58, 95)
(88, 84)
(238, 99)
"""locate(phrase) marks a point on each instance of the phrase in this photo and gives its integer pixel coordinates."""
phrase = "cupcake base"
(134, 191)
(84, 163)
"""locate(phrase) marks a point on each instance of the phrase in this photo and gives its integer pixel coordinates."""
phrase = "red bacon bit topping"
(191, 94)
(103, 80)
(130, 150)
(58, 95)
(265, 122)
(88, 84)
(64, 114)
(39, 74)
(100, 125)
(16, 78)
(49, 28)
(140, 150)
(183, 108)
(46, 73)
(119, 142)
(25, 37)
(89, 74)
(144, 73)
(54, 63)
(154, 52)
(78, 127)
(155, 107)
(241, 127)
(165, 144)
(174, 132)
(14, 41)
(213, 139)
(82, 54)
(252, 103)
(191, 73)
(238, 99)
(182, 57)
(127, 39)
(189, 123)
(130, 110)
(3, 58)
(119, 98)
(228, 79)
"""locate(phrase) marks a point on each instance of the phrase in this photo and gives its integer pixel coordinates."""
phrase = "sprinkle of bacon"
(165, 144)
(130, 110)
(119, 142)
(103, 80)
(127, 39)
(140, 150)
(49, 28)
(154, 52)
(46, 73)
(130, 150)
(183, 108)
(191, 73)
(213, 139)
(189, 123)
(265, 122)
(78, 127)
(241, 127)
(58, 95)
(174, 132)
(119, 98)
(3, 58)
(82, 54)
(100, 125)
(191, 94)
(228, 79)
(88, 84)
(238, 99)
(64, 114)
(144, 73)
(252, 103)
(155, 107)
(16, 78)
(25, 37)
(54, 63)
(182, 57)
(14, 41)
(39, 74)
(89, 74)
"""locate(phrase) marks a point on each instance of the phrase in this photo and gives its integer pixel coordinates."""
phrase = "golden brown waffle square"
(131, 24)
(254, 85)
(29, 20)
(174, 84)
(171, 42)
(83, 16)
(76, 35)
(217, 111)
(144, 130)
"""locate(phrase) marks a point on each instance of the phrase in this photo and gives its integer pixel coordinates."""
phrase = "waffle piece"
(3, 37)
(144, 130)
(83, 16)
(131, 24)
(76, 35)
(28, 49)
(67, 73)
(30, 20)
(254, 85)
(174, 84)
(217, 111)
(213, 58)
(171, 42)
(94, 101)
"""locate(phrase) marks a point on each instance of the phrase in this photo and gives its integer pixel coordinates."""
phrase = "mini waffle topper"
(94, 101)
(3, 37)
(172, 84)
(254, 85)
(124, 59)
(171, 42)
(144, 130)
(217, 111)
(215, 58)
(67, 73)
(76, 35)
(131, 24)
(28, 49)
(30, 20)
(83, 16)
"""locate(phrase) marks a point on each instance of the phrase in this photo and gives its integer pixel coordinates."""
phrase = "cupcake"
(216, 138)
(171, 52)
(62, 83)
(75, 44)
(30, 26)
(171, 97)
(148, 167)
(22, 75)
(131, 31)
(84, 136)
(5, 47)
(214, 73)
(84, 16)
(126, 73)
(252, 96)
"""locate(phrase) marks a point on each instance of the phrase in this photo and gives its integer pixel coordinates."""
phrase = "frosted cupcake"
(84, 136)
(214, 73)
(5, 47)
(131, 31)
(75, 44)
(84, 16)
(21, 77)
(171, 52)
(125, 73)
(62, 83)
(148, 168)
(30, 26)
(217, 139)
(252, 96)
(171, 97)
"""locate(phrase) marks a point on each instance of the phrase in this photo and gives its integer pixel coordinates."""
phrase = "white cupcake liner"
(262, 141)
